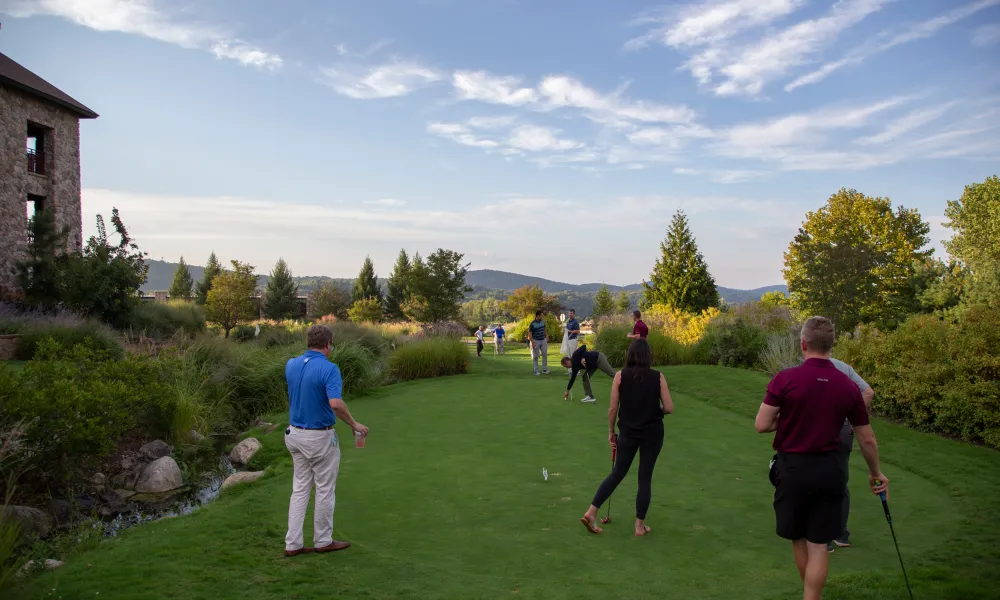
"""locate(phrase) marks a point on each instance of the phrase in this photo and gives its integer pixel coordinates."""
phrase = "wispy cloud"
(387, 202)
(709, 22)
(384, 81)
(145, 18)
(480, 85)
(461, 134)
(907, 123)
(910, 33)
(987, 35)
(724, 175)
(536, 139)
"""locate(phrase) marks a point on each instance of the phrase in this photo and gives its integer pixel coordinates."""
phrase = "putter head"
(606, 520)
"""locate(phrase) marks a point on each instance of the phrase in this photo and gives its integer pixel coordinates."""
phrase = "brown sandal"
(646, 529)
(590, 525)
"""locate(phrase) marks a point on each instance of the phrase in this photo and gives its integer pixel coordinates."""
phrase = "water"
(171, 505)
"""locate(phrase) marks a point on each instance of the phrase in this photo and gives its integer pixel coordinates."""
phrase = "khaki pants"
(316, 462)
(603, 365)
(571, 346)
(498, 345)
(540, 347)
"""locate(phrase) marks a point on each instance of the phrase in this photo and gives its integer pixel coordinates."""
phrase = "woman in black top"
(639, 399)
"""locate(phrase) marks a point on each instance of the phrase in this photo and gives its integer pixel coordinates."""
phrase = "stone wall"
(60, 185)
(9, 345)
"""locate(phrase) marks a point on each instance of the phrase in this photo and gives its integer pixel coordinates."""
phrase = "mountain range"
(484, 282)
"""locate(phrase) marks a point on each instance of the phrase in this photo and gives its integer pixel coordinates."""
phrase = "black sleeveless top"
(639, 410)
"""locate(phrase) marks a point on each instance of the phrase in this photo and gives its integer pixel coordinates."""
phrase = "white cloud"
(479, 85)
(386, 202)
(145, 18)
(710, 22)
(907, 123)
(911, 33)
(535, 139)
(384, 81)
(986, 35)
(461, 134)
(724, 175)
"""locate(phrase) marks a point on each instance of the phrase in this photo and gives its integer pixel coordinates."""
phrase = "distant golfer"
(589, 363)
(539, 340)
(806, 407)
(639, 330)
(498, 337)
(479, 341)
(846, 446)
(639, 399)
(572, 333)
(315, 402)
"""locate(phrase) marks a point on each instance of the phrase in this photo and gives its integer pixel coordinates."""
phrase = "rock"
(243, 477)
(124, 494)
(130, 461)
(98, 481)
(162, 475)
(271, 427)
(61, 510)
(194, 437)
(112, 501)
(244, 451)
(52, 564)
(32, 520)
(155, 450)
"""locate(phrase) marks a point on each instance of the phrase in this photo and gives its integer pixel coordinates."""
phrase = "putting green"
(447, 501)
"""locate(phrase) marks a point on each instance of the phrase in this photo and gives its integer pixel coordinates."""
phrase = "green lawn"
(448, 501)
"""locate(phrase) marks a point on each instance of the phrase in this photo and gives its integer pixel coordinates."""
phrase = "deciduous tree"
(328, 299)
(852, 260)
(525, 300)
(680, 277)
(230, 297)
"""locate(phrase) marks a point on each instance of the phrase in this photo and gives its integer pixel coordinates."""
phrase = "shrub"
(277, 337)
(161, 321)
(368, 337)
(67, 328)
(935, 374)
(433, 357)
(686, 328)
(552, 326)
(365, 310)
(360, 366)
(781, 352)
(735, 342)
(243, 333)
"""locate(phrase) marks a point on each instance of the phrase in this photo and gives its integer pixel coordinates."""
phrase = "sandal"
(590, 525)
(646, 529)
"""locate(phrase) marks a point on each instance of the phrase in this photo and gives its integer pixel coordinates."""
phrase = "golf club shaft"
(888, 519)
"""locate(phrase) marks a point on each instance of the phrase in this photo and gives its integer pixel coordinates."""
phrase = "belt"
(327, 428)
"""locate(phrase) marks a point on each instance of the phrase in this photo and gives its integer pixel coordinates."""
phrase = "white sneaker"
(545, 372)
(537, 373)
(589, 399)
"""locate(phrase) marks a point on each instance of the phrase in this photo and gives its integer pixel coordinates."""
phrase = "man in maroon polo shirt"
(806, 407)
(639, 330)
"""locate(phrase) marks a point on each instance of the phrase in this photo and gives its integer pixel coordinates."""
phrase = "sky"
(551, 138)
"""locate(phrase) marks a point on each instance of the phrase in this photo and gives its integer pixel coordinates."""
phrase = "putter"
(888, 519)
(607, 517)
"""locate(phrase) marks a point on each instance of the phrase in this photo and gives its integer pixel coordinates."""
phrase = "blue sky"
(548, 138)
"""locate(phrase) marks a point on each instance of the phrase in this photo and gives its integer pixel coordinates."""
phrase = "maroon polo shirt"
(814, 399)
(640, 329)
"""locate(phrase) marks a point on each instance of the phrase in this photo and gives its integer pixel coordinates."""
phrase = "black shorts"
(809, 496)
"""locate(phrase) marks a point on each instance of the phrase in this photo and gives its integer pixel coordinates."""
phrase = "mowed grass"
(447, 501)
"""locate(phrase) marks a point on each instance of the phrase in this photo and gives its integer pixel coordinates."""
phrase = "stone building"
(39, 161)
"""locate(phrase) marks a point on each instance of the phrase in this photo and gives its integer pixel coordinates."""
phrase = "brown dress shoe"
(334, 546)
(291, 553)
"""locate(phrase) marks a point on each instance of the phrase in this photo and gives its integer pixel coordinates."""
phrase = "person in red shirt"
(639, 330)
(806, 406)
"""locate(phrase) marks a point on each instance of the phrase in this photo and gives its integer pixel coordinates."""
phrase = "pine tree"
(212, 270)
(281, 293)
(604, 303)
(680, 278)
(181, 287)
(395, 288)
(366, 285)
(623, 302)
(40, 273)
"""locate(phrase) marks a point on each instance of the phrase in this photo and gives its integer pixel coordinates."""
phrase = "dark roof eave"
(79, 110)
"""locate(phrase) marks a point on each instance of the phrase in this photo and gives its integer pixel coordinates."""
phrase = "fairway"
(447, 501)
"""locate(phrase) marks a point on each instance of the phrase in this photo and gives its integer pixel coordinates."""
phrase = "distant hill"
(485, 283)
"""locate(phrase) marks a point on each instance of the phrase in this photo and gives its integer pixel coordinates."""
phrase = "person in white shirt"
(479, 341)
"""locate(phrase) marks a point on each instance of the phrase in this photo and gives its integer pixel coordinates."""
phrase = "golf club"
(888, 518)
(607, 517)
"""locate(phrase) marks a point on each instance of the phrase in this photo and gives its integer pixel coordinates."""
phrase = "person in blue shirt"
(498, 336)
(572, 334)
(539, 340)
(314, 403)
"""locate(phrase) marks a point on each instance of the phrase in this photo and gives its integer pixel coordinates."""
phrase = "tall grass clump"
(160, 320)
(369, 337)
(66, 328)
(553, 328)
(432, 357)
(360, 367)
(781, 352)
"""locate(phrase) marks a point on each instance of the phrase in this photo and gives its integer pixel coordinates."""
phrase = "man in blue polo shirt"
(314, 403)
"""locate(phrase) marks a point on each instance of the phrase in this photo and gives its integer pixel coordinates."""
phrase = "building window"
(35, 150)
(33, 206)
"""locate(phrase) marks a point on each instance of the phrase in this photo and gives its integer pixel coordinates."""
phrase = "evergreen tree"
(212, 270)
(680, 278)
(281, 293)
(604, 302)
(182, 285)
(366, 285)
(623, 302)
(436, 287)
(40, 273)
(395, 287)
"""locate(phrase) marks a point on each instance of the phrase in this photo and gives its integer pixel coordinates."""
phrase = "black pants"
(479, 347)
(846, 445)
(648, 448)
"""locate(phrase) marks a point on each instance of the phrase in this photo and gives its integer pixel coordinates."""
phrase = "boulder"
(32, 520)
(194, 437)
(244, 451)
(52, 563)
(98, 481)
(243, 477)
(62, 510)
(161, 475)
(155, 450)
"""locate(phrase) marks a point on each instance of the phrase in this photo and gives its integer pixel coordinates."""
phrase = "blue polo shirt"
(312, 381)
(572, 325)
(499, 333)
